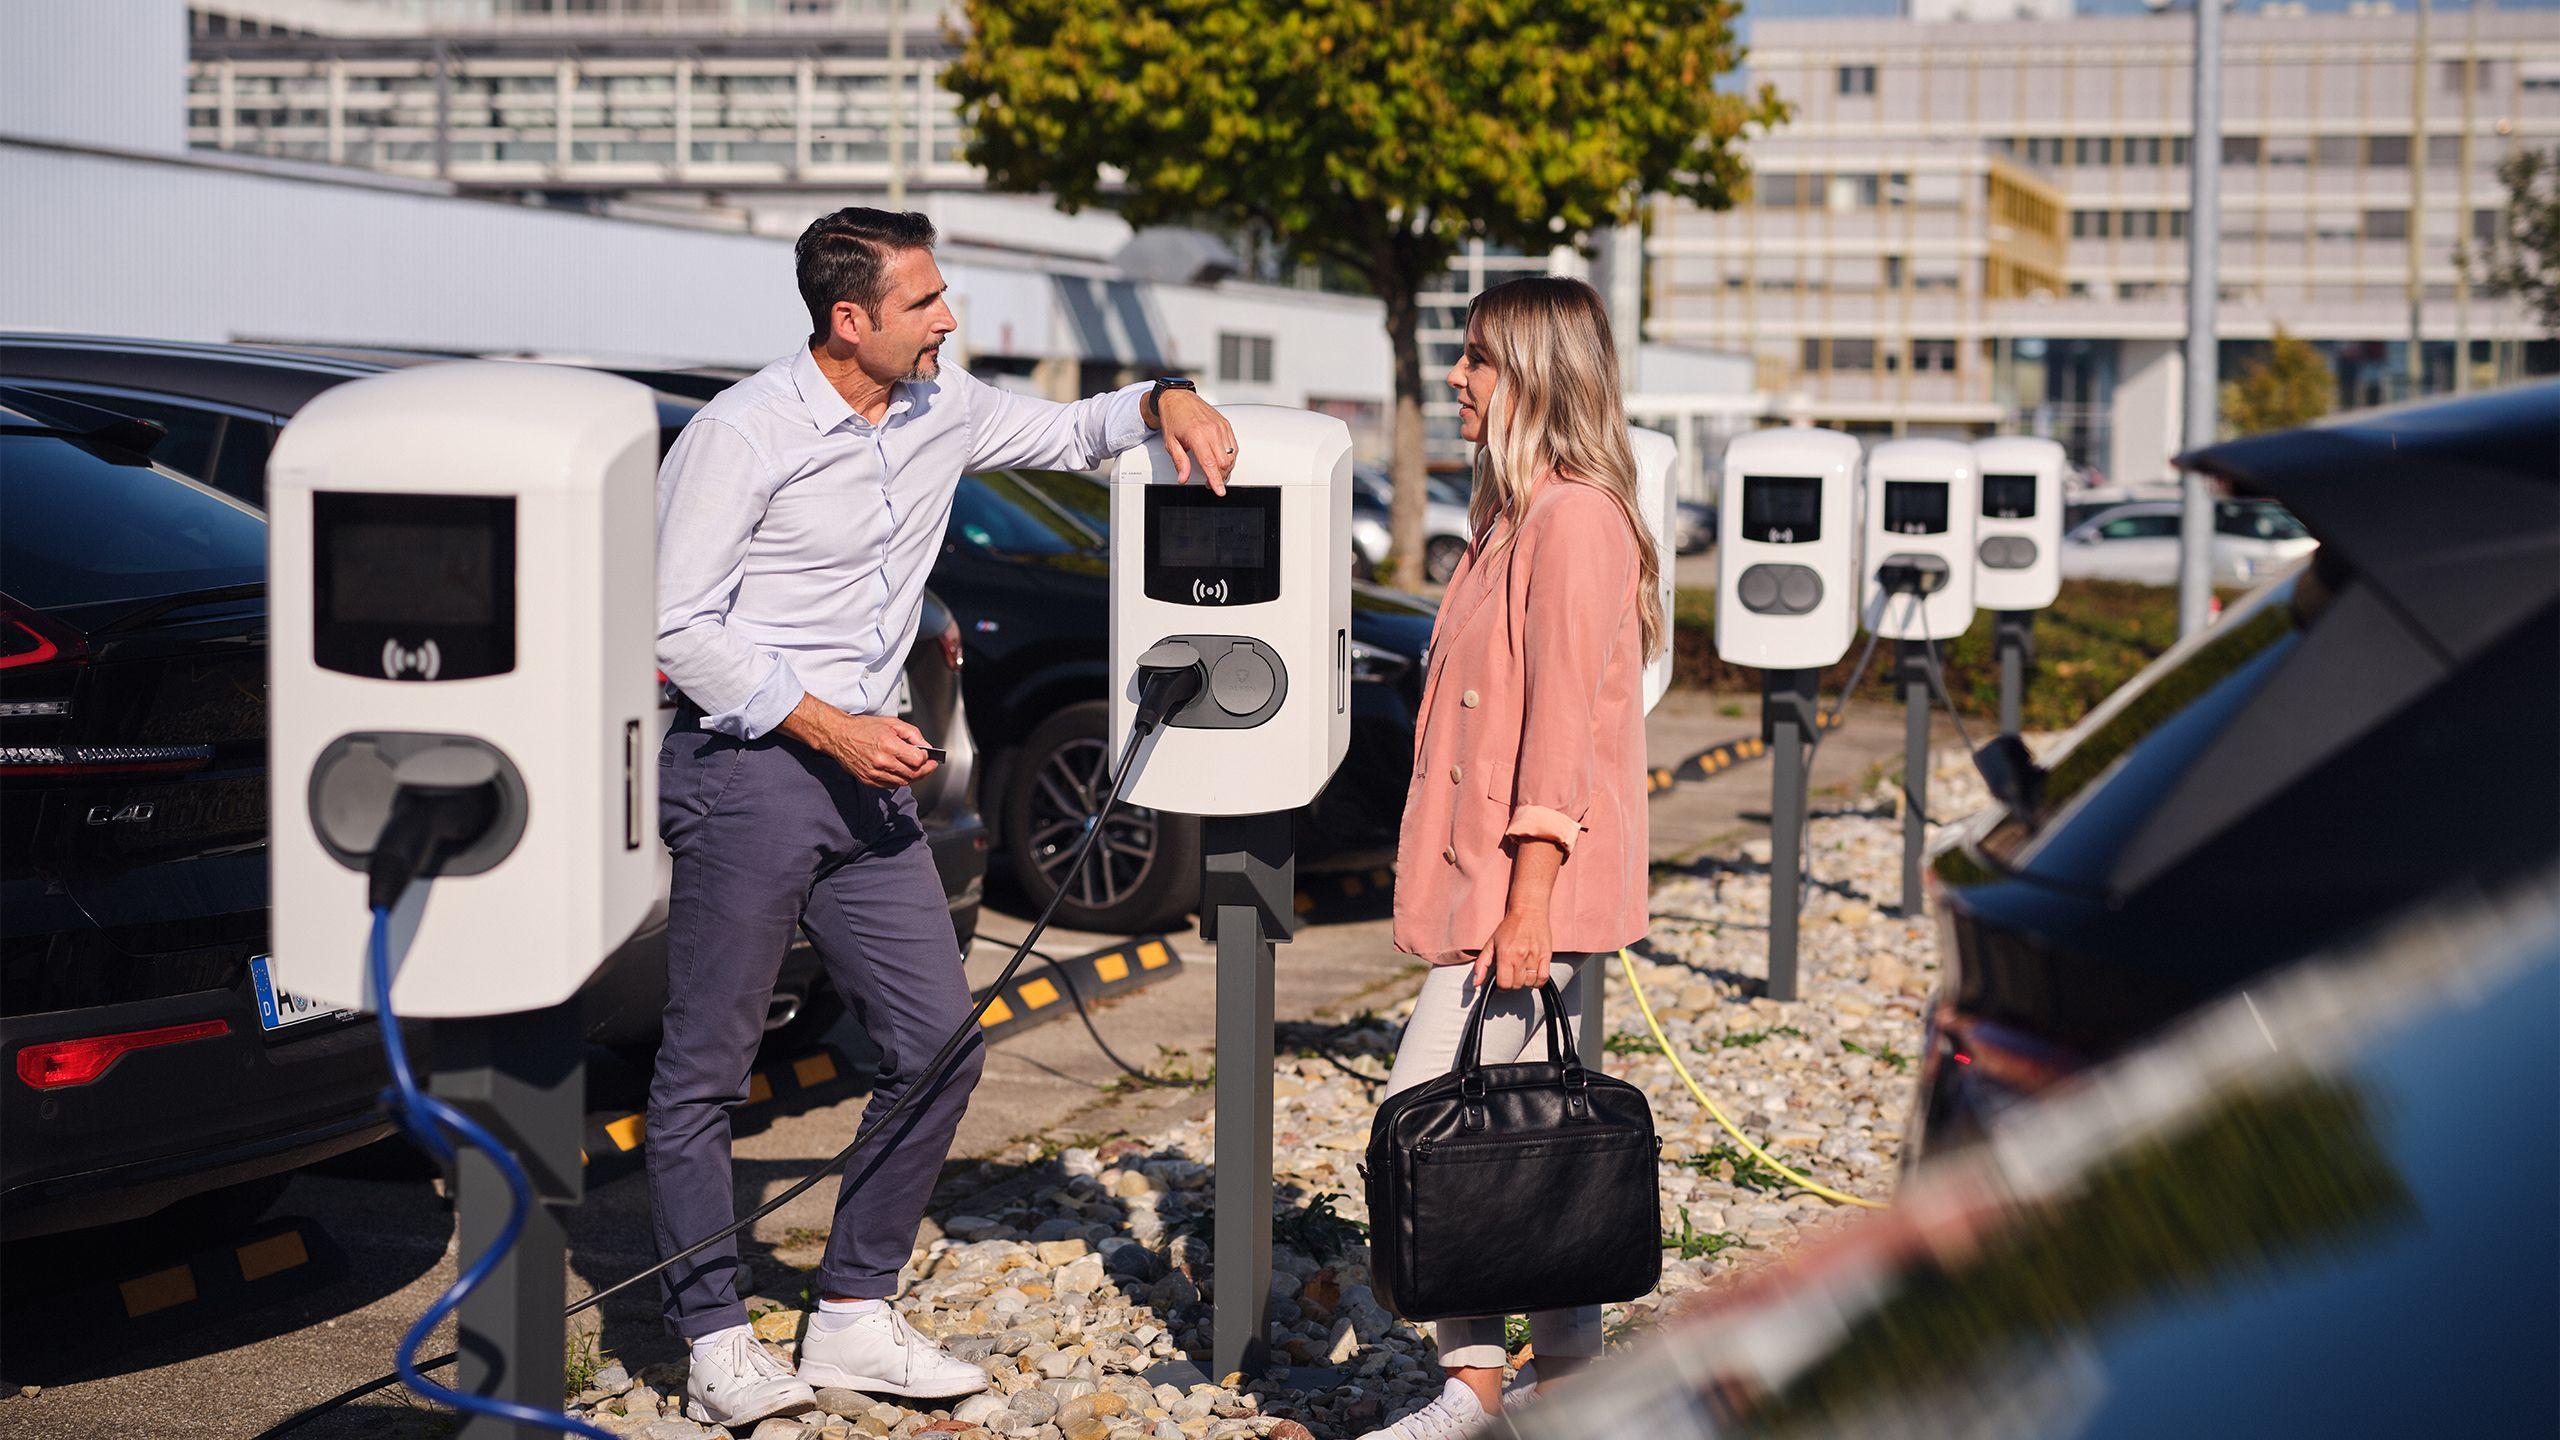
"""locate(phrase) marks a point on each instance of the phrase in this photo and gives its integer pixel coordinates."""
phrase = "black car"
(133, 860)
(2371, 733)
(2320, 1208)
(1026, 564)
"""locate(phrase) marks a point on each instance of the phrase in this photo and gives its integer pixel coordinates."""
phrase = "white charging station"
(1253, 588)
(1787, 515)
(1258, 581)
(1656, 454)
(1920, 512)
(459, 558)
(1788, 509)
(2018, 530)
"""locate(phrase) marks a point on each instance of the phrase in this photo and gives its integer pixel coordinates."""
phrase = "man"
(798, 516)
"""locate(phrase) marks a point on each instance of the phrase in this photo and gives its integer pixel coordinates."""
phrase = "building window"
(2177, 223)
(2387, 152)
(1933, 355)
(1893, 272)
(2338, 152)
(1857, 79)
(2090, 224)
(2093, 150)
(1244, 359)
(2044, 150)
(2177, 149)
(1854, 192)
(2485, 230)
(1775, 192)
(2240, 149)
(1812, 354)
(1851, 353)
(2444, 150)
(2386, 224)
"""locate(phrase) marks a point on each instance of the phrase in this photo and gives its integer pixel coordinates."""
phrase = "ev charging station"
(2019, 547)
(1252, 590)
(460, 582)
(1787, 545)
(1922, 504)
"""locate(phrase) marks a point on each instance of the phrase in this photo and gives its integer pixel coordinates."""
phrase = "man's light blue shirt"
(794, 537)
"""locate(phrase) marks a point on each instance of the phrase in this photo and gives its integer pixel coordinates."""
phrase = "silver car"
(2252, 539)
(1444, 523)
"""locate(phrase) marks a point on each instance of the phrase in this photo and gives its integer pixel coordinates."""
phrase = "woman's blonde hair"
(1556, 409)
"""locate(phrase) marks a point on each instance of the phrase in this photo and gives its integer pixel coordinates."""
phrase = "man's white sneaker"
(1456, 1414)
(879, 1352)
(735, 1382)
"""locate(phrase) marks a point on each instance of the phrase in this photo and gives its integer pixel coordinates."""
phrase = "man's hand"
(877, 750)
(1195, 431)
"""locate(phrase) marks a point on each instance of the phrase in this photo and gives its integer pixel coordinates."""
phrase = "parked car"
(2261, 1224)
(2252, 539)
(133, 865)
(223, 405)
(2354, 740)
(1694, 528)
(1026, 565)
(1444, 521)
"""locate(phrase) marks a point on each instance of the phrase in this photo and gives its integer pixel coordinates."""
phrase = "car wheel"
(1440, 558)
(820, 1009)
(1144, 873)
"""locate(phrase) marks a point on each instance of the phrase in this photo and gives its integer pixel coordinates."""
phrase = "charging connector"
(1170, 676)
(448, 798)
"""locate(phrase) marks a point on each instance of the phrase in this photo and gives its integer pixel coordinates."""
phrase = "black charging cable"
(1168, 681)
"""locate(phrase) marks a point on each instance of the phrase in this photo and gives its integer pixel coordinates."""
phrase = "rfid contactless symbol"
(423, 663)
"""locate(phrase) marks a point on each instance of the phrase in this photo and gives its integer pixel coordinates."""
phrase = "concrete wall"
(95, 72)
(2150, 409)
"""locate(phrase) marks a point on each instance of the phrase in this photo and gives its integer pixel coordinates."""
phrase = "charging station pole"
(1248, 893)
(524, 1076)
(1911, 659)
(1786, 723)
(2013, 635)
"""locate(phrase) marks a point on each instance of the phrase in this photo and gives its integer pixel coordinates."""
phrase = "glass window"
(2093, 150)
(2092, 224)
(1775, 191)
(1937, 355)
(1245, 358)
(1857, 79)
(1812, 353)
(241, 469)
(2444, 150)
(80, 528)
(2389, 152)
(2334, 152)
(193, 432)
(1089, 499)
(1852, 353)
(2386, 224)
(2240, 149)
(2139, 527)
(997, 511)
(2256, 521)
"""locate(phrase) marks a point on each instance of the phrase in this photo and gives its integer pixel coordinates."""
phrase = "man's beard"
(928, 363)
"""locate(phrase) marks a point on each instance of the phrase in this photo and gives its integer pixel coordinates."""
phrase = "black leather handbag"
(1505, 1189)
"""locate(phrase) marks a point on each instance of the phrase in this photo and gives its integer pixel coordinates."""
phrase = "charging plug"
(1912, 574)
(447, 799)
(1170, 676)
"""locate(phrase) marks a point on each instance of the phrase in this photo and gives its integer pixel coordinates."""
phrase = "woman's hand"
(1519, 953)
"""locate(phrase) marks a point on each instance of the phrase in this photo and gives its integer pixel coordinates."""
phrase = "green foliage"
(1625, 1044)
(2523, 259)
(1886, 1056)
(579, 1369)
(1515, 1333)
(2093, 639)
(2289, 386)
(1742, 1168)
(1693, 1242)
(1744, 1039)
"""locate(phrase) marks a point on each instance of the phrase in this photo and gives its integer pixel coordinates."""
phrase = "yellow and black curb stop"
(273, 1261)
(1039, 994)
(618, 1136)
(1715, 759)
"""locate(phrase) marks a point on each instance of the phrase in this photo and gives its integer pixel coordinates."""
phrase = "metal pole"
(524, 1076)
(1590, 1003)
(1785, 711)
(2417, 240)
(2204, 378)
(2013, 634)
(897, 104)
(1248, 892)
(1913, 658)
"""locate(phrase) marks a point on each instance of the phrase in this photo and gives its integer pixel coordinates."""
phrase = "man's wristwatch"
(1155, 397)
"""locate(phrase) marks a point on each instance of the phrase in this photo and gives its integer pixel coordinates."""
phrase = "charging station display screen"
(413, 587)
(2009, 497)
(1781, 509)
(1915, 507)
(1203, 548)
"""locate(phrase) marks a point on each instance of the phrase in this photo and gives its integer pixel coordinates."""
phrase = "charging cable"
(1171, 676)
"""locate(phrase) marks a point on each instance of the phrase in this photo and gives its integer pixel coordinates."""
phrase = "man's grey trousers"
(767, 834)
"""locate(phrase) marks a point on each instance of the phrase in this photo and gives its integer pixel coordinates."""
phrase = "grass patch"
(581, 1367)
(1743, 1169)
(1744, 1039)
(1883, 1055)
(2093, 639)
(1693, 1242)
(1625, 1044)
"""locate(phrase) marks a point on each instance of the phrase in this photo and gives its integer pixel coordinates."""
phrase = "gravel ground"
(1075, 1272)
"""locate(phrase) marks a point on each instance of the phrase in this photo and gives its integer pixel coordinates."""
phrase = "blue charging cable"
(428, 1121)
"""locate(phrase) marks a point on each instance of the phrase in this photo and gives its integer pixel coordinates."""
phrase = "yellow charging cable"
(1763, 1156)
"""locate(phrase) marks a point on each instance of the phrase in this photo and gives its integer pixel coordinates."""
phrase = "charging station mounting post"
(1253, 588)
(460, 569)
(1919, 591)
(1786, 605)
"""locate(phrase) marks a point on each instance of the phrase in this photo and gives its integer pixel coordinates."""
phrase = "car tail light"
(950, 638)
(60, 1064)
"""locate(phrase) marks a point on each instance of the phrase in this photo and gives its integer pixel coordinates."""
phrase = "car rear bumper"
(176, 1120)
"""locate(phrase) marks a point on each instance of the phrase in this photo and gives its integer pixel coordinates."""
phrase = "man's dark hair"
(845, 256)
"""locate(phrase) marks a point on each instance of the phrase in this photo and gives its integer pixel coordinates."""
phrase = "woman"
(1523, 852)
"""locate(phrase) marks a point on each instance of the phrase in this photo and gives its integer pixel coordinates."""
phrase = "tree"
(2523, 259)
(1379, 135)
(2290, 385)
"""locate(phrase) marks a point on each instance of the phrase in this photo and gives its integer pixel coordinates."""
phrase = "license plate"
(277, 1006)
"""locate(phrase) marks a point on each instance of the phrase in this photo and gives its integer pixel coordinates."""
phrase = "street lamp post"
(2204, 235)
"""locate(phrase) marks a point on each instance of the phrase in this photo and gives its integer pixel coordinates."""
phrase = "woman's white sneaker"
(735, 1382)
(1456, 1414)
(879, 1352)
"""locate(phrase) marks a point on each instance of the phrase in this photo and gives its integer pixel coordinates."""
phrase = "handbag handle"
(1559, 1041)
